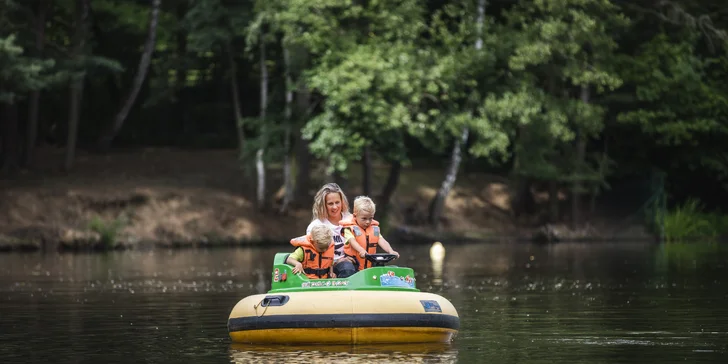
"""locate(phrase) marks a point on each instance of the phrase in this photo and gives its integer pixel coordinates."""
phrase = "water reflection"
(412, 353)
(437, 257)
(523, 303)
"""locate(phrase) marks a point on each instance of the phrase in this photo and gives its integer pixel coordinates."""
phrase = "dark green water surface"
(564, 303)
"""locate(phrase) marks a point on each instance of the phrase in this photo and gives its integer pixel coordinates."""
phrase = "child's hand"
(363, 253)
(298, 268)
(395, 253)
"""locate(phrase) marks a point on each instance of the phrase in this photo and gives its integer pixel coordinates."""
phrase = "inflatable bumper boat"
(376, 305)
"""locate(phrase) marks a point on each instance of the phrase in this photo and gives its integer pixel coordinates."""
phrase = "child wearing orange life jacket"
(361, 232)
(314, 253)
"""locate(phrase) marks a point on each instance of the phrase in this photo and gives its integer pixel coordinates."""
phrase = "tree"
(217, 26)
(76, 88)
(107, 137)
(33, 105)
(438, 201)
(679, 104)
(19, 74)
(259, 163)
(287, 177)
(563, 51)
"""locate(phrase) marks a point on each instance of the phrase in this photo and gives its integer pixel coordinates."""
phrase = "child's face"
(364, 218)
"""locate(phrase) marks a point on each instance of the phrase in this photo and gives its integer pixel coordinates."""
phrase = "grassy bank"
(689, 222)
(180, 198)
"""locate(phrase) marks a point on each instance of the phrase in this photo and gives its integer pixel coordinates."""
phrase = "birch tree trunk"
(581, 140)
(76, 89)
(238, 114)
(259, 162)
(303, 156)
(438, 202)
(34, 101)
(106, 138)
(287, 178)
(182, 68)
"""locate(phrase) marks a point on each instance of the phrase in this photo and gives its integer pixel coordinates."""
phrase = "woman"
(329, 207)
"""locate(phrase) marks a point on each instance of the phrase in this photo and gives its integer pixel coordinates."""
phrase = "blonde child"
(314, 253)
(361, 232)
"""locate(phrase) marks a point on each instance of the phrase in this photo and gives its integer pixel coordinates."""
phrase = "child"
(314, 253)
(361, 232)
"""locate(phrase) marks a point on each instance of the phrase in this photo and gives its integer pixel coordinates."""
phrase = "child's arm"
(293, 260)
(357, 247)
(387, 248)
(351, 240)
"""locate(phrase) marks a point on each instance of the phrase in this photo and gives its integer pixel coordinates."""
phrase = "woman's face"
(333, 204)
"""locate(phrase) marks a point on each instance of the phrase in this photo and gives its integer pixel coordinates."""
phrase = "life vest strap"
(317, 271)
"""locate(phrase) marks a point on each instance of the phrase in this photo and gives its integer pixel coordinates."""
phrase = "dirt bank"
(168, 198)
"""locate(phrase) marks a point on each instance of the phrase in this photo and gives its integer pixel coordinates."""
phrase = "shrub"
(108, 231)
(688, 221)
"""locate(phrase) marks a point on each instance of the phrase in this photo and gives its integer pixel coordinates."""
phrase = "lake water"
(595, 303)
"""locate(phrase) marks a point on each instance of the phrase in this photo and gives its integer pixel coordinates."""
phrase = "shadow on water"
(518, 303)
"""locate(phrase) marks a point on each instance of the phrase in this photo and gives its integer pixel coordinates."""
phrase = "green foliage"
(689, 221)
(678, 103)
(380, 87)
(20, 74)
(556, 49)
(377, 90)
(681, 102)
(108, 230)
(547, 80)
(213, 24)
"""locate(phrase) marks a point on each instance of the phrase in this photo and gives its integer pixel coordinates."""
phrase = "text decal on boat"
(316, 284)
(389, 279)
(431, 306)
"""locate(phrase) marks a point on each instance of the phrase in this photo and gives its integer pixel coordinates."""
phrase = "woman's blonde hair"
(321, 236)
(364, 203)
(319, 201)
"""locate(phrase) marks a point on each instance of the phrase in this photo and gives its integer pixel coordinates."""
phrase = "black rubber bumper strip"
(344, 321)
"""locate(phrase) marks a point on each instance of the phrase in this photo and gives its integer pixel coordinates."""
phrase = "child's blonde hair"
(364, 203)
(321, 236)
(319, 201)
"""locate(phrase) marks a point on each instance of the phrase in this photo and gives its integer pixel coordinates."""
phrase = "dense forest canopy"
(573, 95)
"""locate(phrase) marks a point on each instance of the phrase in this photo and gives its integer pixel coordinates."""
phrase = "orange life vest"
(367, 239)
(316, 265)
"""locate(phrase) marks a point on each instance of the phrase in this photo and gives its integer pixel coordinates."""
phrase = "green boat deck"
(387, 278)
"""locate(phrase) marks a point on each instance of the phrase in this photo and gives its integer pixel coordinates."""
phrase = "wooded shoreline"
(171, 198)
(475, 118)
